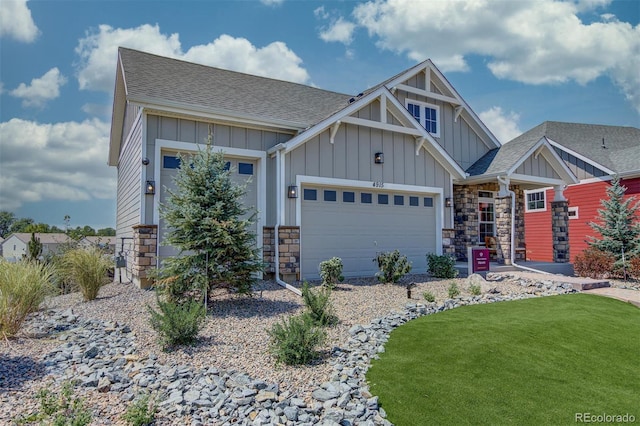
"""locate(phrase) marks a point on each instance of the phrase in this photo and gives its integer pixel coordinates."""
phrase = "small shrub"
(453, 290)
(23, 287)
(318, 304)
(61, 409)
(392, 265)
(429, 297)
(293, 341)
(475, 289)
(634, 267)
(594, 263)
(177, 324)
(441, 266)
(331, 272)
(141, 412)
(87, 268)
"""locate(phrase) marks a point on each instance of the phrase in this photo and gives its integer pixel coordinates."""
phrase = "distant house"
(14, 247)
(105, 243)
(593, 153)
(405, 164)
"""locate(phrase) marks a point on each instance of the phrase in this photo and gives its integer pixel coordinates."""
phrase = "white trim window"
(573, 213)
(428, 115)
(535, 201)
(486, 215)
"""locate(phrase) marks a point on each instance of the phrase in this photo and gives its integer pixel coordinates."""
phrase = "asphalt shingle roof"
(621, 155)
(150, 76)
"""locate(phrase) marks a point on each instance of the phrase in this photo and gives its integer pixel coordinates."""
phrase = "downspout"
(280, 218)
(505, 184)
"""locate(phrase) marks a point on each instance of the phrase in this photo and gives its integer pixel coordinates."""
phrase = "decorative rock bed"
(102, 356)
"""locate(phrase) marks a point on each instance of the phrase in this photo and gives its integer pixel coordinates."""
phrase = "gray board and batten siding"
(351, 157)
(537, 166)
(196, 132)
(464, 142)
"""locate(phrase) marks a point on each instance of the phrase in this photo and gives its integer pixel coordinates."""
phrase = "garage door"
(355, 225)
(243, 171)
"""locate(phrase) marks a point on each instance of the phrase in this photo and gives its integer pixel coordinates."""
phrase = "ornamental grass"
(23, 287)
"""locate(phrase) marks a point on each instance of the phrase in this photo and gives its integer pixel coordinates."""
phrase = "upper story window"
(428, 115)
(535, 201)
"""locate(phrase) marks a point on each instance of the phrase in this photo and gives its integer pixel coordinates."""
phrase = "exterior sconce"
(448, 202)
(150, 188)
(292, 191)
(378, 158)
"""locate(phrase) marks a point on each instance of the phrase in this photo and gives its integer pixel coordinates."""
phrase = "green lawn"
(531, 362)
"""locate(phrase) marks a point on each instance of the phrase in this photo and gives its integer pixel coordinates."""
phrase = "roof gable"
(44, 237)
(614, 149)
(444, 91)
(388, 104)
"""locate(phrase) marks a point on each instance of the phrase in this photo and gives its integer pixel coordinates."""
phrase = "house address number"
(378, 184)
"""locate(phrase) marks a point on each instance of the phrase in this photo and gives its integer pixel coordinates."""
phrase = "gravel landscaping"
(234, 340)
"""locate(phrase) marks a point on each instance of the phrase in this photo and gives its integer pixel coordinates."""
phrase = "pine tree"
(34, 248)
(619, 225)
(210, 227)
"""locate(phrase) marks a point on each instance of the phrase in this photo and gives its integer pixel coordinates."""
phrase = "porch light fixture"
(448, 202)
(378, 158)
(150, 189)
(292, 191)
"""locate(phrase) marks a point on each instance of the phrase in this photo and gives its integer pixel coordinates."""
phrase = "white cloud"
(503, 125)
(339, 30)
(98, 54)
(41, 89)
(62, 161)
(272, 2)
(16, 21)
(97, 110)
(534, 42)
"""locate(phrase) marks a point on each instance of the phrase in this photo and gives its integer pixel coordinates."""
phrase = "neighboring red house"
(593, 153)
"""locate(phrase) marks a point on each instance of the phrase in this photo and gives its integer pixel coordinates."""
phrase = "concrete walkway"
(630, 296)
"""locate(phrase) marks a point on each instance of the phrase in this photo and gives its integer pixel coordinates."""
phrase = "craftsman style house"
(403, 165)
(593, 153)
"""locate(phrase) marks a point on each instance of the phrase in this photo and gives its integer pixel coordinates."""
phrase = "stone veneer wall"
(289, 251)
(449, 242)
(560, 230)
(466, 216)
(502, 209)
(145, 243)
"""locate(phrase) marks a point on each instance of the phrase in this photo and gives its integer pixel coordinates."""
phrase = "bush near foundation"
(392, 266)
(441, 266)
(594, 263)
(634, 267)
(331, 272)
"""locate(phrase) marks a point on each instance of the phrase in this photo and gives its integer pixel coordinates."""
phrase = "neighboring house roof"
(622, 152)
(45, 238)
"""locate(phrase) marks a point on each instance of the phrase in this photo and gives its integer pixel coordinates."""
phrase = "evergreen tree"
(210, 227)
(619, 225)
(34, 248)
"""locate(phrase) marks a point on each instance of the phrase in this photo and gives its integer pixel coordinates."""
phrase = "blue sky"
(517, 64)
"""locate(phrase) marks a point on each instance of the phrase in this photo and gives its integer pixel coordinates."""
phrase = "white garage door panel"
(250, 198)
(356, 232)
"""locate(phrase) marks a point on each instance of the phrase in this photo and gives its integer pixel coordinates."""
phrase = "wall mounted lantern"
(292, 191)
(448, 202)
(150, 188)
(378, 158)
